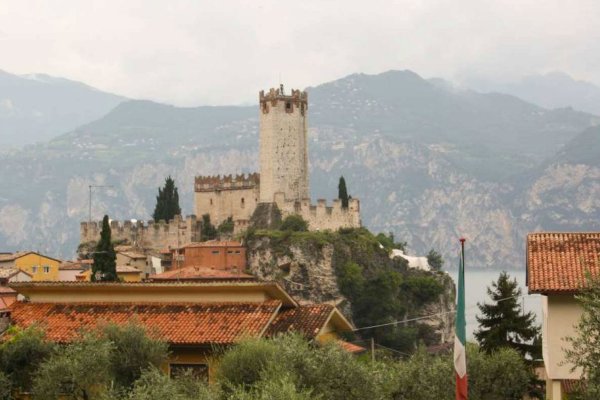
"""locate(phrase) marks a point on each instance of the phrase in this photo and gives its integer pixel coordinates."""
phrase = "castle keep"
(283, 181)
(284, 176)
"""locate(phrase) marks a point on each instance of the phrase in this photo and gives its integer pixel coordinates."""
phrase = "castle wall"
(228, 196)
(321, 216)
(283, 145)
(152, 235)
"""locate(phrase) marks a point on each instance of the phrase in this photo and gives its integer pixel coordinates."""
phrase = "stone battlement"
(151, 235)
(297, 98)
(321, 216)
(226, 182)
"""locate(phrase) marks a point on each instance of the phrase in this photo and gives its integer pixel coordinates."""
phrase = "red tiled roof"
(351, 347)
(127, 269)
(19, 254)
(176, 323)
(308, 320)
(570, 386)
(7, 290)
(199, 273)
(558, 262)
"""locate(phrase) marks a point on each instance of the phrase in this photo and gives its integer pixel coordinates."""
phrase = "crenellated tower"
(283, 145)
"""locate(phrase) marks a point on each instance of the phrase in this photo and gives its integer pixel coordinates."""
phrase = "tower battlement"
(226, 182)
(297, 99)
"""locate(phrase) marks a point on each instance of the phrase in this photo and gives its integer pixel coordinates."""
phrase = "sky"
(199, 52)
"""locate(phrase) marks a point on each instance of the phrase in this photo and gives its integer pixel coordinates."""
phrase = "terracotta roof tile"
(307, 319)
(177, 323)
(199, 273)
(558, 262)
(351, 347)
(127, 268)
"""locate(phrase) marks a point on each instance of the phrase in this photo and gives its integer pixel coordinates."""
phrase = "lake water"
(476, 283)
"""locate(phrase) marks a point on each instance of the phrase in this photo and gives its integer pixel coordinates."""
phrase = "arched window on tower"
(211, 202)
(242, 202)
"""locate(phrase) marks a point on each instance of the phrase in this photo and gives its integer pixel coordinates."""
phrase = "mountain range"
(37, 107)
(429, 161)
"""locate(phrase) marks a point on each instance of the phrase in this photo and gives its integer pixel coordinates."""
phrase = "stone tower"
(283, 145)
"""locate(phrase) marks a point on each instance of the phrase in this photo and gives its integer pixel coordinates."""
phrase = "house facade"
(194, 318)
(557, 264)
(39, 266)
(224, 255)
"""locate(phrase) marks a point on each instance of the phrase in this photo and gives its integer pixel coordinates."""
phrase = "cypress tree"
(167, 201)
(503, 323)
(105, 264)
(343, 192)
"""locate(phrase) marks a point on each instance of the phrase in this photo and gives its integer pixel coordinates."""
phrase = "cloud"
(207, 52)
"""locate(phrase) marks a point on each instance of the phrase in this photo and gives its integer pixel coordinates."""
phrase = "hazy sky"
(222, 52)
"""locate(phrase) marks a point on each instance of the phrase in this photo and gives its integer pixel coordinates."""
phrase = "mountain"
(552, 90)
(39, 107)
(429, 162)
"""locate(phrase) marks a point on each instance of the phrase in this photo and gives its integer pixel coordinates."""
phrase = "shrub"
(21, 355)
(133, 352)
(294, 223)
(154, 384)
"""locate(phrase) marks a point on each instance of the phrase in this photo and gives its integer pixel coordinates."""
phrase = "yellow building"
(194, 318)
(39, 266)
(125, 273)
(557, 264)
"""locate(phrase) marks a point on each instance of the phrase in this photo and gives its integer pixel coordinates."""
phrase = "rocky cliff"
(351, 270)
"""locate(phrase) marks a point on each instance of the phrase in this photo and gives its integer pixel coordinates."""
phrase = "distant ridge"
(38, 107)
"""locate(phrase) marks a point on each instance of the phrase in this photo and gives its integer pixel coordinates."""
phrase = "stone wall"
(151, 235)
(283, 145)
(321, 216)
(226, 196)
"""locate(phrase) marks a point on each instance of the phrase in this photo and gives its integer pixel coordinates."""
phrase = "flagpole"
(460, 340)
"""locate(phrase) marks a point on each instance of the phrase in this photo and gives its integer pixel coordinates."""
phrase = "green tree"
(226, 227)
(154, 384)
(343, 192)
(21, 353)
(291, 365)
(500, 375)
(435, 260)
(133, 352)
(167, 202)
(5, 387)
(584, 351)
(105, 264)
(208, 232)
(503, 323)
(81, 371)
(294, 223)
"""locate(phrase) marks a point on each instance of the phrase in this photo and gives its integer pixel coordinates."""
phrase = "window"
(215, 251)
(34, 269)
(211, 202)
(243, 201)
(288, 106)
(237, 252)
(198, 371)
(229, 251)
(46, 269)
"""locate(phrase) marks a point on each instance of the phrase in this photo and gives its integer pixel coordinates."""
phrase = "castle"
(284, 177)
(283, 184)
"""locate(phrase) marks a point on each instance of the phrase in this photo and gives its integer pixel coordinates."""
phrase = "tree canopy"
(167, 202)
(504, 324)
(105, 264)
(435, 260)
(584, 351)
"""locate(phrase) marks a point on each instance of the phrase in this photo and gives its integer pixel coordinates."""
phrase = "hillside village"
(258, 260)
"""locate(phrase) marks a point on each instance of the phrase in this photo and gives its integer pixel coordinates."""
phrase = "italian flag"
(460, 357)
